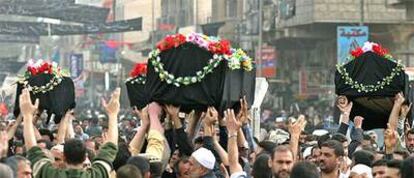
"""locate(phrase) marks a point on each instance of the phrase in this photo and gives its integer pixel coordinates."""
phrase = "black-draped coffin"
(57, 101)
(222, 88)
(374, 106)
(136, 94)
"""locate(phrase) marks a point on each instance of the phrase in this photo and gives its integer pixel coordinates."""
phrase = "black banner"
(42, 29)
(65, 10)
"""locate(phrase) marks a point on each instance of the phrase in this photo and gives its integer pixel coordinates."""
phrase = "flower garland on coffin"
(135, 85)
(235, 58)
(193, 70)
(370, 78)
(49, 83)
(380, 84)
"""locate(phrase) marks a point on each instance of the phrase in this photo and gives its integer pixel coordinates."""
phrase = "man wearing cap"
(361, 171)
(202, 164)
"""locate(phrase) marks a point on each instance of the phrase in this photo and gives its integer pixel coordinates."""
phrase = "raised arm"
(220, 150)
(193, 121)
(112, 110)
(70, 133)
(390, 141)
(63, 128)
(395, 112)
(137, 142)
(357, 135)
(295, 129)
(183, 142)
(4, 144)
(244, 118)
(27, 109)
(405, 109)
(233, 126)
(12, 129)
(345, 107)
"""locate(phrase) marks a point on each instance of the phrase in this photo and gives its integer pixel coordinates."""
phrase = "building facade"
(305, 36)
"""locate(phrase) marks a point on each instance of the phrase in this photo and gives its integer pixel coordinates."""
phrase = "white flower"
(38, 63)
(30, 62)
(368, 46)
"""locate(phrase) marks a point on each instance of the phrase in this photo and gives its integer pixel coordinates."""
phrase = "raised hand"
(297, 127)
(243, 116)
(112, 107)
(404, 110)
(154, 108)
(390, 139)
(399, 99)
(358, 122)
(4, 144)
(172, 111)
(344, 106)
(26, 106)
(233, 125)
(211, 116)
(143, 115)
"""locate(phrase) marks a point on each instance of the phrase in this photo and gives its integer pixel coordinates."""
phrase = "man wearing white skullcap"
(361, 171)
(202, 164)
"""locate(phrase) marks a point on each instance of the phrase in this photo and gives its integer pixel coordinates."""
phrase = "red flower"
(379, 50)
(221, 47)
(45, 67)
(32, 70)
(139, 69)
(171, 41)
(225, 47)
(178, 40)
(357, 52)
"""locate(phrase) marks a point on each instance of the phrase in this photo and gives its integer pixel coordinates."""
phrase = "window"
(231, 8)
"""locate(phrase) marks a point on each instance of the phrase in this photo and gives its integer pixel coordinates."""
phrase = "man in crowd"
(282, 161)
(332, 153)
(202, 164)
(409, 140)
(20, 166)
(74, 149)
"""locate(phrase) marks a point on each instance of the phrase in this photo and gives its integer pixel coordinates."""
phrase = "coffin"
(221, 87)
(56, 102)
(381, 80)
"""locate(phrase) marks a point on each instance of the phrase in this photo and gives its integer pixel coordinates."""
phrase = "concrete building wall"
(204, 11)
(138, 8)
(343, 11)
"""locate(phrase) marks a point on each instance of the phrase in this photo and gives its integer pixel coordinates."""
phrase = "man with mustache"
(332, 154)
(409, 141)
(282, 161)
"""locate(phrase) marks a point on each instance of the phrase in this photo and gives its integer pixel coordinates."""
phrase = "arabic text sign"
(350, 37)
(76, 65)
(269, 61)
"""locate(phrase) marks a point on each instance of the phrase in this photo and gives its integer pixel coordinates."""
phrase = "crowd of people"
(160, 141)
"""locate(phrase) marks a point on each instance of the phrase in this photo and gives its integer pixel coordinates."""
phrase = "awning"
(42, 29)
(65, 10)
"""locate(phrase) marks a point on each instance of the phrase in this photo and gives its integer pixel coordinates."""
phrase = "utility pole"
(259, 60)
(196, 15)
(153, 23)
(362, 12)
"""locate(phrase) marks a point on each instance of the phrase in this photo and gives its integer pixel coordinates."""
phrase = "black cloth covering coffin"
(374, 106)
(222, 88)
(57, 101)
(136, 94)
